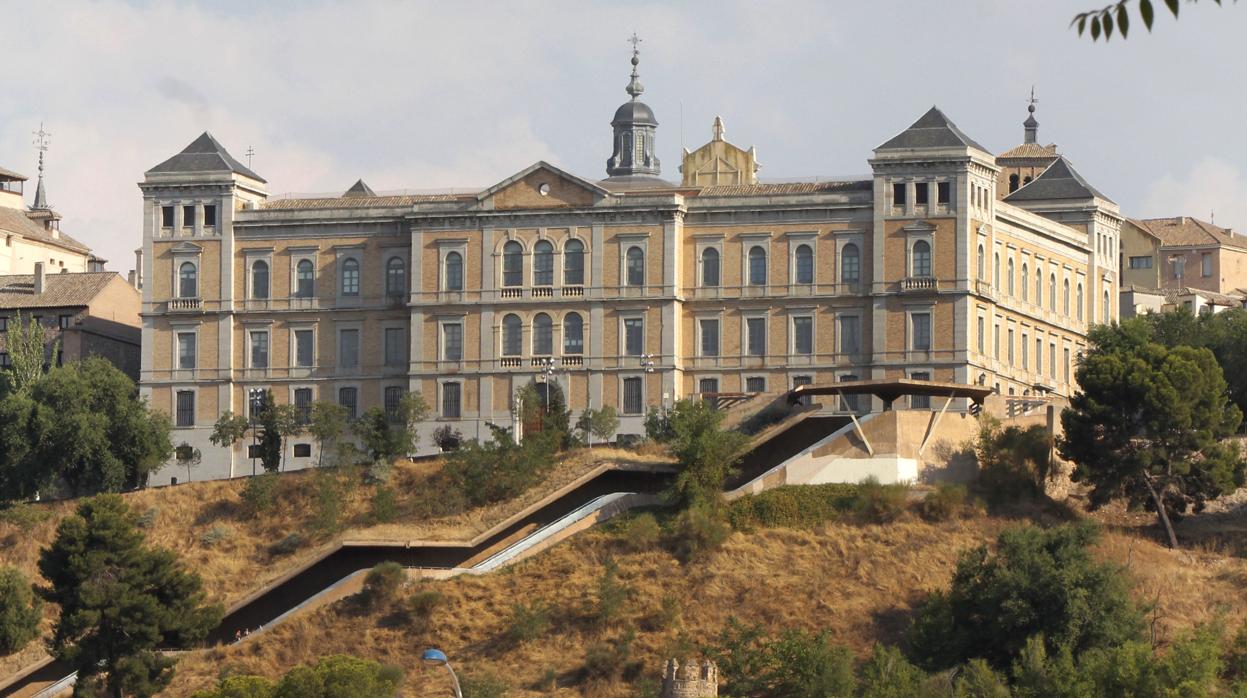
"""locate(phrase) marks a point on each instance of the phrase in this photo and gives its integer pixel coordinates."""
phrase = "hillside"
(237, 552)
(859, 581)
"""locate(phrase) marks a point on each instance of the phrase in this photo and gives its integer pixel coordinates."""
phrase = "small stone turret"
(690, 679)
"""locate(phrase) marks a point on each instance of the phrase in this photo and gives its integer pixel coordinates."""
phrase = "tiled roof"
(59, 290)
(785, 188)
(10, 174)
(1059, 181)
(205, 154)
(1030, 150)
(361, 201)
(932, 130)
(1185, 231)
(359, 188)
(15, 221)
(1173, 295)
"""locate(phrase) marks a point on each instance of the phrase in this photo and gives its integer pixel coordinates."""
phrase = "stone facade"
(690, 679)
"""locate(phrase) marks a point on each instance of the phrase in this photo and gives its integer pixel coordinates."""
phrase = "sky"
(434, 96)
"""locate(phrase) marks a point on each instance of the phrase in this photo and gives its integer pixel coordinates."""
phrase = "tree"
(1117, 16)
(188, 456)
(229, 429)
(388, 436)
(329, 424)
(331, 677)
(1147, 425)
(27, 347)
(600, 424)
(272, 424)
(1038, 582)
(120, 600)
(20, 611)
(706, 453)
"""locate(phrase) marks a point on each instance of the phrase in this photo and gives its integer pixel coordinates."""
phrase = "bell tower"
(634, 127)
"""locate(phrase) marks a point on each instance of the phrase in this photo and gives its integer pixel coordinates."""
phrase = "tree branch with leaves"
(1116, 17)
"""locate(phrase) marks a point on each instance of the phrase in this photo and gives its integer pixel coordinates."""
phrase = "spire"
(42, 138)
(635, 88)
(718, 128)
(1031, 125)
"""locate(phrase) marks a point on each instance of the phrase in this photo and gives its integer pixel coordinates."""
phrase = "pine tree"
(121, 600)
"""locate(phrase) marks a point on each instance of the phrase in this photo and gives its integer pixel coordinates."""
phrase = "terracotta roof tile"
(1030, 150)
(1184, 231)
(361, 201)
(786, 188)
(16, 221)
(59, 291)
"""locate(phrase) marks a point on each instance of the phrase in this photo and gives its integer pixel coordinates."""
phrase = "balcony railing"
(573, 361)
(573, 290)
(543, 292)
(183, 305)
(513, 292)
(984, 288)
(511, 362)
(918, 284)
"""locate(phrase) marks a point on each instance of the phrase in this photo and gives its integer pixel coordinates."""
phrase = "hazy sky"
(431, 96)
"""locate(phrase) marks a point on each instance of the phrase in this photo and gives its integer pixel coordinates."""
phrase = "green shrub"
(528, 621)
(670, 612)
(436, 498)
(240, 687)
(483, 685)
(420, 605)
(888, 674)
(797, 663)
(382, 584)
(149, 517)
(384, 505)
(1038, 582)
(792, 506)
(642, 532)
(611, 595)
(1014, 463)
(327, 502)
(24, 517)
(500, 469)
(698, 532)
(706, 453)
(260, 493)
(20, 611)
(607, 661)
(215, 535)
(977, 679)
(880, 504)
(340, 675)
(946, 501)
(287, 545)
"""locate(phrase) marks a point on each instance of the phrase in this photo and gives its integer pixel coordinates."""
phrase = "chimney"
(137, 281)
(39, 278)
(130, 278)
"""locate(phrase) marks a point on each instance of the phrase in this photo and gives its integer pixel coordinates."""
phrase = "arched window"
(1078, 298)
(1065, 297)
(1039, 287)
(1026, 181)
(921, 259)
(454, 271)
(512, 335)
(757, 266)
(1026, 280)
(710, 267)
(982, 263)
(543, 335)
(1052, 292)
(188, 281)
(850, 264)
(259, 279)
(305, 279)
(1009, 276)
(573, 334)
(350, 277)
(1108, 308)
(512, 264)
(996, 271)
(395, 277)
(1013, 183)
(805, 264)
(543, 263)
(636, 266)
(574, 263)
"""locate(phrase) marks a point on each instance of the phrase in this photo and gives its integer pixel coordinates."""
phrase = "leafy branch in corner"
(1116, 17)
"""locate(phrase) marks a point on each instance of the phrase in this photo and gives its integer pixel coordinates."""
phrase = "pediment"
(542, 185)
(186, 247)
(919, 227)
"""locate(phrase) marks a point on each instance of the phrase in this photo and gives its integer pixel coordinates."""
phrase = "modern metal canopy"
(889, 390)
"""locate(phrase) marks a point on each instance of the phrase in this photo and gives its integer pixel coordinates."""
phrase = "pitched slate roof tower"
(633, 160)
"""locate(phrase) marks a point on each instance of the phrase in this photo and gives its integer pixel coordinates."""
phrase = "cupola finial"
(635, 88)
(1031, 124)
(42, 138)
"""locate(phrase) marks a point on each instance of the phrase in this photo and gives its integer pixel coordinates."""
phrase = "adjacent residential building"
(33, 235)
(629, 291)
(1186, 258)
(84, 313)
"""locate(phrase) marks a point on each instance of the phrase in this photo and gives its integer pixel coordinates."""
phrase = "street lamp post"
(434, 656)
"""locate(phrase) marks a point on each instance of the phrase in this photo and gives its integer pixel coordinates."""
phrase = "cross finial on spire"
(1033, 100)
(42, 139)
(249, 153)
(1031, 124)
(635, 88)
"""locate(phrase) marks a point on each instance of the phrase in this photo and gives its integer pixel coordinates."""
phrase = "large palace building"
(949, 264)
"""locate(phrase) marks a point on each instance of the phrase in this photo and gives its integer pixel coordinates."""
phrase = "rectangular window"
(186, 408)
(303, 348)
(166, 216)
(920, 402)
(755, 384)
(922, 331)
(982, 333)
(803, 335)
(1066, 365)
(850, 334)
(346, 398)
(1025, 351)
(1052, 360)
(996, 341)
(209, 215)
(62, 321)
(632, 397)
(395, 346)
(1141, 262)
(451, 400)
(898, 194)
(1009, 348)
(393, 398)
(348, 348)
(1205, 264)
(755, 331)
(943, 193)
(709, 337)
(452, 341)
(850, 401)
(259, 349)
(1038, 355)
(708, 386)
(303, 403)
(303, 450)
(188, 216)
(4, 359)
(186, 350)
(920, 194)
(4, 324)
(634, 336)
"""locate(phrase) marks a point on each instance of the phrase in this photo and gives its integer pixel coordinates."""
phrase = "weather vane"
(634, 40)
(1033, 100)
(42, 139)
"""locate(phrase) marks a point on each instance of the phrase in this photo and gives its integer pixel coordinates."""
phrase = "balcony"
(573, 361)
(919, 284)
(185, 305)
(511, 362)
(573, 291)
(543, 292)
(985, 289)
(513, 292)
